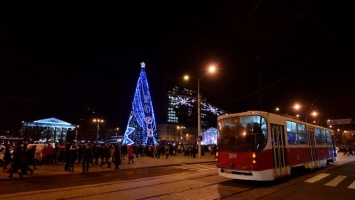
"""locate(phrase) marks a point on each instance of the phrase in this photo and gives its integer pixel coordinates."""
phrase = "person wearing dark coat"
(86, 156)
(31, 156)
(17, 161)
(124, 151)
(7, 155)
(96, 154)
(26, 158)
(72, 156)
(66, 156)
(79, 153)
(105, 156)
(116, 158)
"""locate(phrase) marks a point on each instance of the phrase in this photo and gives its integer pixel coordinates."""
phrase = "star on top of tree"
(142, 65)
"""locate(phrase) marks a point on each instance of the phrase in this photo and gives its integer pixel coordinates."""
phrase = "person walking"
(86, 156)
(72, 157)
(123, 151)
(345, 149)
(105, 156)
(60, 154)
(17, 161)
(166, 151)
(31, 156)
(130, 154)
(79, 153)
(97, 151)
(116, 158)
(136, 150)
(26, 158)
(158, 151)
(55, 152)
(7, 156)
(350, 150)
(194, 151)
(141, 151)
(66, 156)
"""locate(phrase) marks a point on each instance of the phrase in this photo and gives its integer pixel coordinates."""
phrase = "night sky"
(60, 60)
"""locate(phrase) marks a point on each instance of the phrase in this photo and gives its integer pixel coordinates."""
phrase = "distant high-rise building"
(182, 109)
(182, 112)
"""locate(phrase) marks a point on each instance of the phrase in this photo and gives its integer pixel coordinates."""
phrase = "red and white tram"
(262, 146)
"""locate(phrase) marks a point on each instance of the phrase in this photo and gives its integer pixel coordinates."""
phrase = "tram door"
(312, 148)
(278, 149)
(335, 152)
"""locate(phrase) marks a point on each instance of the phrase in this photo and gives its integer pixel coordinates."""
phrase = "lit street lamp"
(98, 128)
(314, 113)
(186, 77)
(296, 108)
(117, 129)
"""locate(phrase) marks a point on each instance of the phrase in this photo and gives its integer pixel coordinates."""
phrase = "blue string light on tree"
(141, 127)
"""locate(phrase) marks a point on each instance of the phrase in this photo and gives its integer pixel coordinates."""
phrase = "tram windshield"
(243, 133)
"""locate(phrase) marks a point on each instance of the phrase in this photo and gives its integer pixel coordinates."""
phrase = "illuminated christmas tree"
(141, 127)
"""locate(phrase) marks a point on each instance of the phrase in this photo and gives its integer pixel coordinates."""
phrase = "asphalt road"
(33, 183)
(184, 181)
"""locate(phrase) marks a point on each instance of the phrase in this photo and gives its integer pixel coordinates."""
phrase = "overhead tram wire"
(254, 93)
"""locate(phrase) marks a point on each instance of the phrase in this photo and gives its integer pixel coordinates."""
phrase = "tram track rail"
(198, 183)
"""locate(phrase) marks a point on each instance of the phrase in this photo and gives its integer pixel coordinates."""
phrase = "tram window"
(230, 135)
(292, 136)
(324, 138)
(319, 136)
(261, 138)
(247, 133)
(328, 137)
(302, 134)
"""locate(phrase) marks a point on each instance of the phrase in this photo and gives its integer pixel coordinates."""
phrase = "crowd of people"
(24, 160)
(348, 150)
(20, 160)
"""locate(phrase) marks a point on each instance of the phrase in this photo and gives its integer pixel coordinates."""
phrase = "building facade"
(47, 130)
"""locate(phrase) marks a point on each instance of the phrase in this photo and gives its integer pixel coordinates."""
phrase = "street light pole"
(76, 133)
(97, 132)
(198, 118)
(22, 128)
(210, 70)
(98, 128)
(180, 135)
